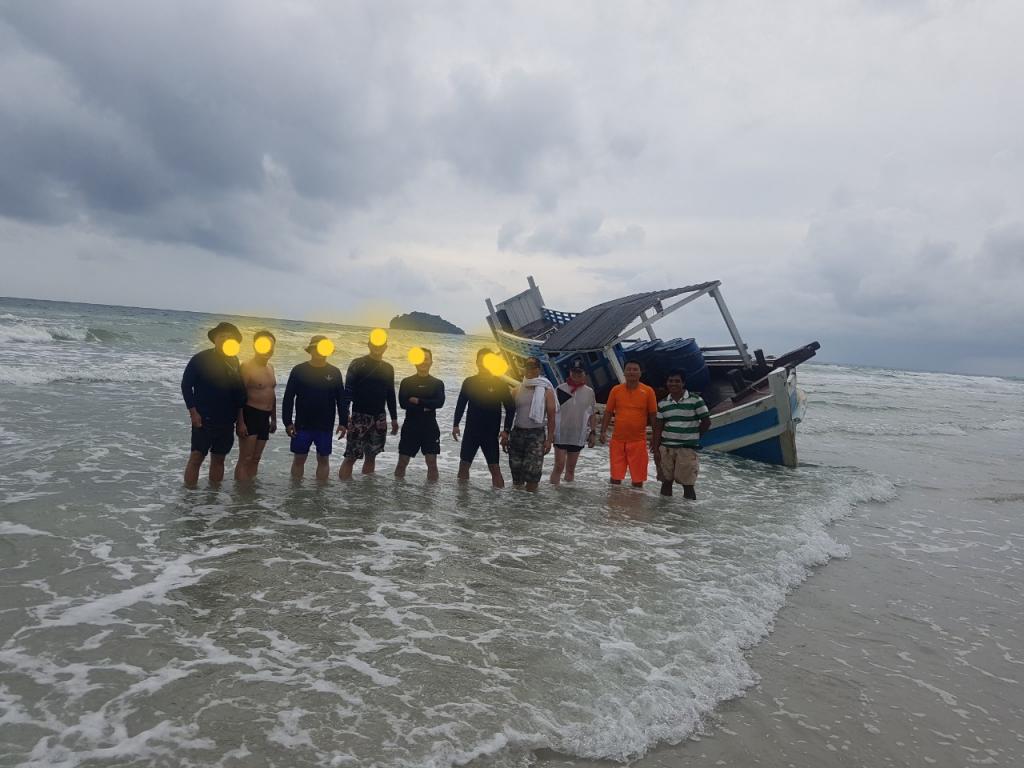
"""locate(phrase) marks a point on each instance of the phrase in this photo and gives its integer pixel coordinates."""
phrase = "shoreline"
(896, 655)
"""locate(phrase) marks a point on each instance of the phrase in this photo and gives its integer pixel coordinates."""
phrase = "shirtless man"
(260, 410)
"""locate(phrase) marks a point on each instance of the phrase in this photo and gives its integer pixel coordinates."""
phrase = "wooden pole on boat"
(613, 361)
(733, 330)
(649, 326)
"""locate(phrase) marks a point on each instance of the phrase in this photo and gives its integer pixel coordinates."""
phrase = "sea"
(407, 625)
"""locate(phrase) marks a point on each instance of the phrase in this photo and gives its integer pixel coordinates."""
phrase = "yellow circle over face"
(230, 347)
(378, 337)
(417, 356)
(495, 364)
(324, 347)
(263, 345)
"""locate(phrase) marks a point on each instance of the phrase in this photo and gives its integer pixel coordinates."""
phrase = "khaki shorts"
(679, 464)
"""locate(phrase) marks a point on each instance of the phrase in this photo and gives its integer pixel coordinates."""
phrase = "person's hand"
(241, 430)
(197, 420)
(414, 400)
(456, 433)
(547, 445)
(603, 439)
(340, 431)
(591, 440)
(273, 426)
(654, 449)
(394, 426)
(290, 430)
(503, 439)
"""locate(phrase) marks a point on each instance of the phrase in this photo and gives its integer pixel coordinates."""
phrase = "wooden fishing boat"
(754, 399)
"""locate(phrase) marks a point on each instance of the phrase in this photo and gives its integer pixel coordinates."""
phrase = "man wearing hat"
(316, 391)
(214, 395)
(577, 422)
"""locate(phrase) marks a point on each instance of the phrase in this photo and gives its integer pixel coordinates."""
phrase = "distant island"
(421, 321)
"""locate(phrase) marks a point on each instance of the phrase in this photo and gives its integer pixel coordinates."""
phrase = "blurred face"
(632, 373)
(264, 346)
(424, 368)
(577, 377)
(531, 368)
(675, 386)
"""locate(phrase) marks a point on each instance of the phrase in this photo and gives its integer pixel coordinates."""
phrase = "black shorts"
(569, 448)
(475, 440)
(217, 439)
(257, 422)
(419, 435)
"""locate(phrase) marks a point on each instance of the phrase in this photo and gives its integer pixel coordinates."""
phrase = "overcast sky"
(852, 172)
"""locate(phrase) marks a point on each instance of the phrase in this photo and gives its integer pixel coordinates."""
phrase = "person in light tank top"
(577, 422)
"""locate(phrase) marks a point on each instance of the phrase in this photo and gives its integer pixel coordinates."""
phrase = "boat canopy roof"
(599, 326)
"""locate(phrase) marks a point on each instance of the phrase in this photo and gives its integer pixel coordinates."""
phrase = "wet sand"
(908, 653)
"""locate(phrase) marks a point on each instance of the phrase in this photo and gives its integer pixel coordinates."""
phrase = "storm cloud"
(851, 171)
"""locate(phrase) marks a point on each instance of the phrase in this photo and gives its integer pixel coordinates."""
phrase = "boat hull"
(763, 429)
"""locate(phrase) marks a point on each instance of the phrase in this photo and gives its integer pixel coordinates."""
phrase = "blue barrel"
(660, 357)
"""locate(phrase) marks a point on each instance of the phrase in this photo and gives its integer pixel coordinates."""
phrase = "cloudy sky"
(852, 171)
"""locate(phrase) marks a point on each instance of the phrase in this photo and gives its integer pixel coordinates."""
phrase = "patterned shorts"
(526, 455)
(366, 436)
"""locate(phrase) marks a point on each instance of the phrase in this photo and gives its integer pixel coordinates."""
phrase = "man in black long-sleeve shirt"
(317, 391)
(370, 385)
(421, 396)
(214, 395)
(485, 395)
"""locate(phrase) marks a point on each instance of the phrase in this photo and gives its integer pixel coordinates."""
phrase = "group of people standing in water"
(527, 421)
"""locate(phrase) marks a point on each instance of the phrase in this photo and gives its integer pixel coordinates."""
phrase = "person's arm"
(392, 405)
(403, 395)
(460, 408)
(652, 409)
(592, 435)
(705, 420)
(436, 399)
(609, 410)
(510, 410)
(659, 427)
(241, 396)
(189, 379)
(341, 403)
(552, 412)
(288, 403)
(350, 386)
(273, 402)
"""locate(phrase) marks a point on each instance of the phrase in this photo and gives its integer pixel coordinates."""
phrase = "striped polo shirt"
(681, 419)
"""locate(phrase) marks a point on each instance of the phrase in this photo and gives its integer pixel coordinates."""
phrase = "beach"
(860, 610)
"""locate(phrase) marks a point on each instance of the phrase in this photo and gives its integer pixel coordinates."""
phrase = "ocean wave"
(30, 333)
(1006, 425)
(26, 377)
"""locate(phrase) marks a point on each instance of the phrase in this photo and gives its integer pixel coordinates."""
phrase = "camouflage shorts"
(366, 435)
(526, 455)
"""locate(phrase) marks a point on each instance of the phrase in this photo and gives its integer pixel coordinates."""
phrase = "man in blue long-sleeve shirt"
(370, 385)
(316, 390)
(214, 395)
(421, 396)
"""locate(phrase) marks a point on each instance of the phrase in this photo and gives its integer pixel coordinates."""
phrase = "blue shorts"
(306, 437)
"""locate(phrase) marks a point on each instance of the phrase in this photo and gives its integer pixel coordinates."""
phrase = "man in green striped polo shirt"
(681, 419)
